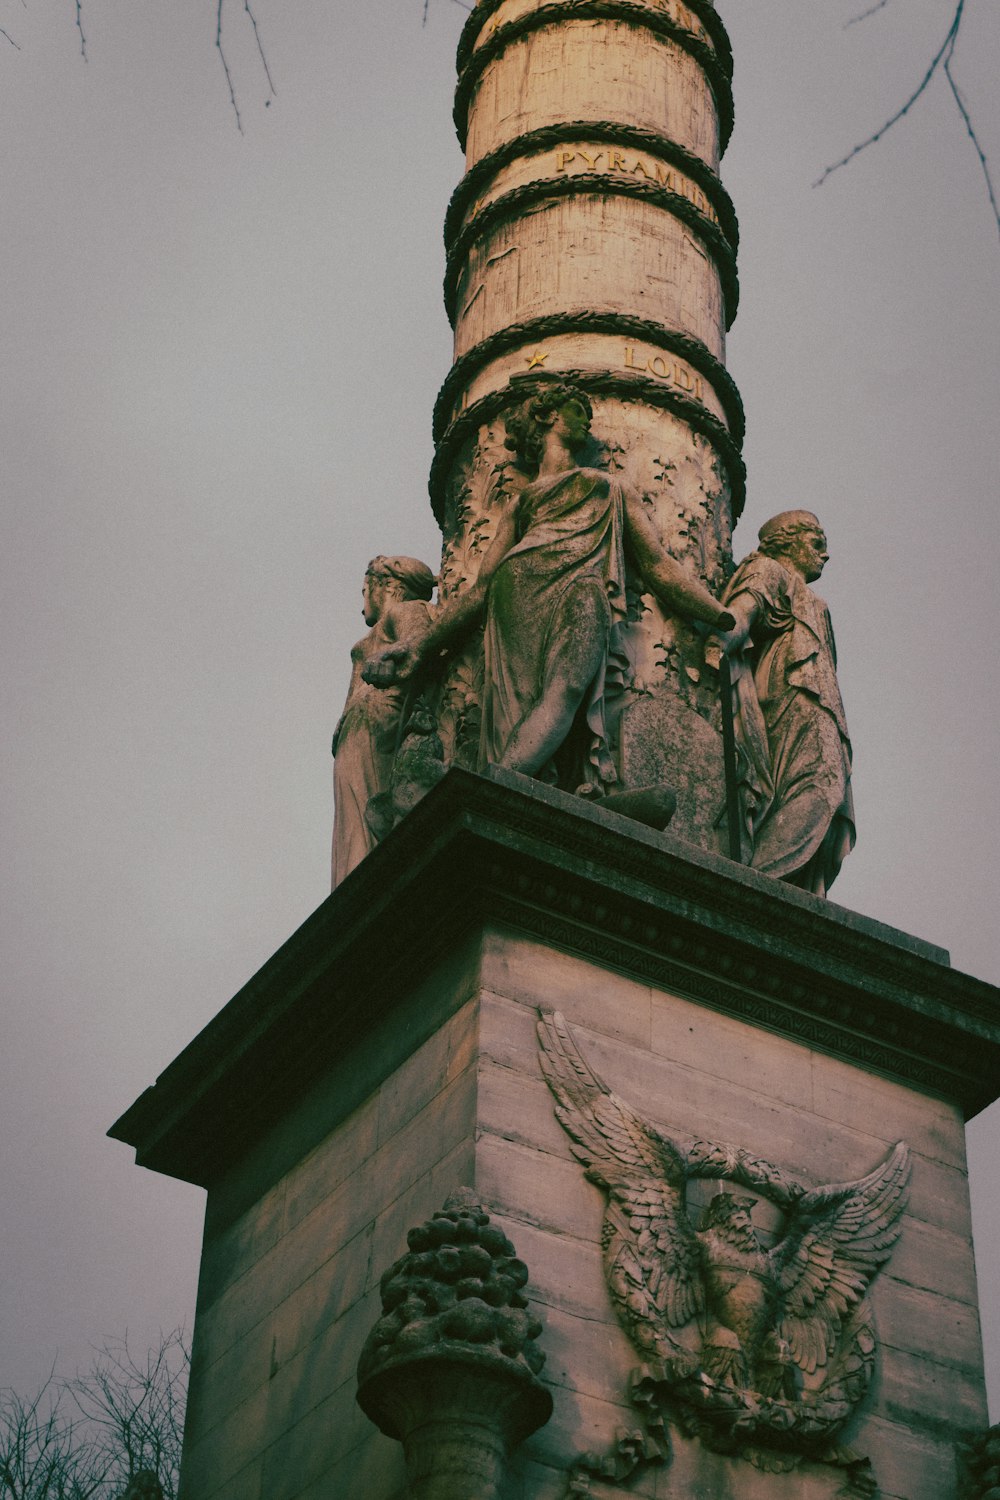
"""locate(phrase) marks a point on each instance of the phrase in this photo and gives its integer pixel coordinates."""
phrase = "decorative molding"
(551, 324)
(595, 383)
(595, 185)
(480, 851)
(703, 9)
(632, 137)
(718, 75)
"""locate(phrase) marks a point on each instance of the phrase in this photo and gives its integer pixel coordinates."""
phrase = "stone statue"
(144, 1485)
(793, 750)
(417, 766)
(761, 1350)
(365, 741)
(552, 587)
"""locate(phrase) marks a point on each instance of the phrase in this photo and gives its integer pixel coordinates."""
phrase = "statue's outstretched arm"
(743, 608)
(400, 661)
(677, 589)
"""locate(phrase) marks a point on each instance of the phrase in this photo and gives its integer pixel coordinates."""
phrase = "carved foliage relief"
(761, 1346)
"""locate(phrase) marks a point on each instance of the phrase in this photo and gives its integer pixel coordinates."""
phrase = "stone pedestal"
(387, 1056)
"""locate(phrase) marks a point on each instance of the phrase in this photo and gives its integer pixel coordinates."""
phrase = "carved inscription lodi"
(670, 370)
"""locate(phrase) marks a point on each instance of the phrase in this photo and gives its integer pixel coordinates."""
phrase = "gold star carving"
(536, 359)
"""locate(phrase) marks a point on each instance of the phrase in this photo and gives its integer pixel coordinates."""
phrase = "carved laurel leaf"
(838, 1238)
(652, 1256)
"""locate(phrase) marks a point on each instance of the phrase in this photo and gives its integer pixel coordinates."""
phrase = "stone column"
(591, 239)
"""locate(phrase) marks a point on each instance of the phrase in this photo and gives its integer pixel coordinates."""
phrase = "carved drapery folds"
(761, 1353)
(792, 770)
(451, 1367)
(368, 782)
(591, 242)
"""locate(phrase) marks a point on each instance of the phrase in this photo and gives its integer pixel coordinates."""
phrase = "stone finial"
(981, 1461)
(451, 1368)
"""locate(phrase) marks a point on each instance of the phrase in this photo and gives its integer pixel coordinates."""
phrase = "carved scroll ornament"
(761, 1353)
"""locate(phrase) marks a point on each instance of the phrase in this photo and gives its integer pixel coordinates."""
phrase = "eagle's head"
(729, 1216)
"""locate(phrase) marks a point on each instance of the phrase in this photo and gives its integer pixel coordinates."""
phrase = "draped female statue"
(552, 588)
(365, 741)
(794, 754)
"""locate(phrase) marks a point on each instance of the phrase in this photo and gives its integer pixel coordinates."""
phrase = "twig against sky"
(949, 42)
(79, 27)
(220, 5)
(879, 5)
(942, 59)
(964, 112)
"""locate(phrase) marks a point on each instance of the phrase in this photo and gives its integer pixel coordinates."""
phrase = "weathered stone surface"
(443, 1057)
(552, 590)
(367, 735)
(665, 739)
(451, 1367)
(793, 779)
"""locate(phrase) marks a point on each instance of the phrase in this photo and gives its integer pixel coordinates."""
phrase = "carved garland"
(595, 383)
(599, 185)
(703, 9)
(634, 137)
(719, 78)
(534, 329)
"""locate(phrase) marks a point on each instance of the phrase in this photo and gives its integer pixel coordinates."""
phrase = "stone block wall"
(295, 1245)
(695, 1072)
(289, 1287)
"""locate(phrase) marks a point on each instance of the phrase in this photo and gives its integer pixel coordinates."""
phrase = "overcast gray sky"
(219, 358)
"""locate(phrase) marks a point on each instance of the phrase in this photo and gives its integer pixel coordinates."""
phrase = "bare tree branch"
(248, 12)
(126, 1420)
(79, 27)
(967, 118)
(942, 59)
(879, 5)
(947, 45)
(260, 47)
(427, 6)
(9, 38)
(225, 64)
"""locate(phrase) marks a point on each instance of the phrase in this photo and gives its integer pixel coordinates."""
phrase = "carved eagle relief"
(760, 1349)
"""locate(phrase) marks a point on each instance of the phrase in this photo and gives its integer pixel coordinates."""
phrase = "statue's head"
(390, 578)
(144, 1485)
(559, 404)
(796, 538)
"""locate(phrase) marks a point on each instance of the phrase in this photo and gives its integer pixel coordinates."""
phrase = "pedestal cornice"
(505, 851)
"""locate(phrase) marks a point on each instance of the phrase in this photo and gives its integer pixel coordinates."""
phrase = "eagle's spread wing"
(838, 1238)
(651, 1253)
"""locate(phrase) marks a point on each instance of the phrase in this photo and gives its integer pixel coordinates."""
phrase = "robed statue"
(793, 752)
(371, 728)
(552, 590)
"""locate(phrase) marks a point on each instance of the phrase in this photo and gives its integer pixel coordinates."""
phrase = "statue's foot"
(652, 806)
